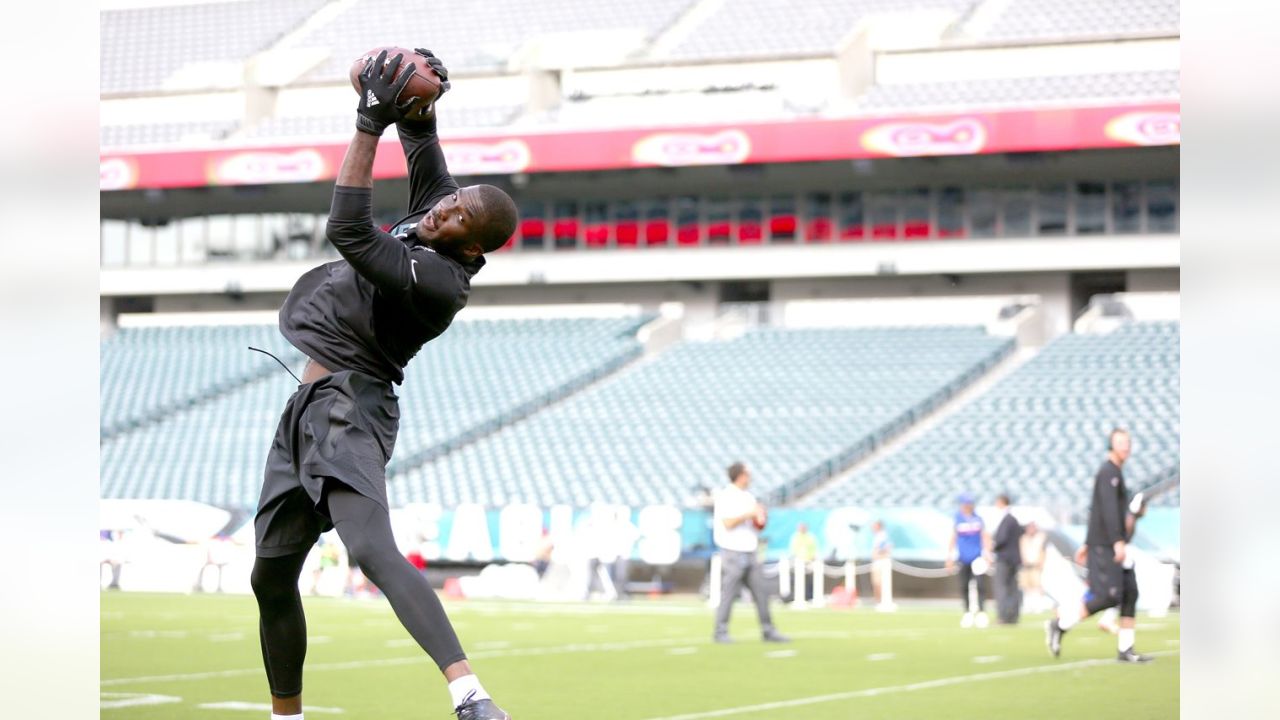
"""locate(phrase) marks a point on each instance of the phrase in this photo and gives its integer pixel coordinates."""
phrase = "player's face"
(447, 227)
(1121, 446)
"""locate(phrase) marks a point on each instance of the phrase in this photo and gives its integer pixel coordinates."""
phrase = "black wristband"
(365, 125)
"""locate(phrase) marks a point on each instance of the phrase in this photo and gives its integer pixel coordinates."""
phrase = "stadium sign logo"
(1146, 128)
(268, 167)
(965, 136)
(726, 147)
(500, 158)
(117, 174)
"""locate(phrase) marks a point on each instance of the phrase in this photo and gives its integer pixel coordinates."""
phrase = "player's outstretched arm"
(428, 173)
(376, 255)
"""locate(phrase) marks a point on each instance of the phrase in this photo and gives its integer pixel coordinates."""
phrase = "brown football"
(424, 84)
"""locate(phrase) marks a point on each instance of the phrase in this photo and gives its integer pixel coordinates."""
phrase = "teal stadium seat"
(784, 401)
(213, 445)
(1040, 433)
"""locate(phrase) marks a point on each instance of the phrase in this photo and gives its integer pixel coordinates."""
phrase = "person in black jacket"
(1112, 581)
(1006, 545)
(360, 320)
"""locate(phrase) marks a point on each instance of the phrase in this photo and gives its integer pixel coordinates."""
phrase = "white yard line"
(478, 655)
(388, 662)
(113, 700)
(891, 689)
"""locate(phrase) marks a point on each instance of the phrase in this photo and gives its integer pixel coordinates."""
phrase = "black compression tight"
(365, 528)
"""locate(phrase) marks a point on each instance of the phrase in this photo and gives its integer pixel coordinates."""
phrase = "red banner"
(799, 140)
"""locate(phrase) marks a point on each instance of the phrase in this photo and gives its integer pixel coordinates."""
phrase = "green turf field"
(197, 657)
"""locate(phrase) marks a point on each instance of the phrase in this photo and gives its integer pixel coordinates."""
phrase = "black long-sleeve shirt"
(374, 309)
(1005, 543)
(1110, 504)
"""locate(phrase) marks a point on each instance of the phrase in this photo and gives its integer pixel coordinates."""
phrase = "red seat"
(532, 228)
(626, 233)
(565, 228)
(688, 234)
(886, 231)
(855, 233)
(719, 231)
(784, 225)
(750, 233)
(818, 230)
(657, 232)
(915, 229)
(597, 235)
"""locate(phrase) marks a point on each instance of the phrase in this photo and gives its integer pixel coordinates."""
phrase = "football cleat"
(723, 639)
(774, 636)
(981, 620)
(1053, 637)
(472, 709)
(1129, 656)
(966, 620)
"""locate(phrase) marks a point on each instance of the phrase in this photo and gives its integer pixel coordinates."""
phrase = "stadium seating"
(1129, 87)
(474, 35)
(147, 373)
(1049, 20)
(476, 377)
(769, 28)
(787, 402)
(158, 133)
(1040, 433)
(143, 47)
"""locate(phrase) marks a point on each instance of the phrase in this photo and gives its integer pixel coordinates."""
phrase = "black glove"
(380, 93)
(438, 66)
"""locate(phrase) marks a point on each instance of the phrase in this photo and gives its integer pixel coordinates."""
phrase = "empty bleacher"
(148, 372)
(1052, 20)
(468, 382)
(474, 36)
(143, 47)
(1129, 87)
(773, 28)
(787, 402)
(195, 132)
(1040, 433)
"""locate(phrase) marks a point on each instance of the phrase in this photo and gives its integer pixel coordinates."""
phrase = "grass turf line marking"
(482, 655)
(115, 700)
(385, 662)
(891, 689)
(782, 654)
(877, 657)
(682, 651)
(984, 659)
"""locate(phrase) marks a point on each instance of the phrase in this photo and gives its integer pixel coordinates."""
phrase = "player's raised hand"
(437, 66)
(381, 83)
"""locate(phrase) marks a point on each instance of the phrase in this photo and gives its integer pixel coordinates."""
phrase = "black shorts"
(341, 427)
(1110, 583)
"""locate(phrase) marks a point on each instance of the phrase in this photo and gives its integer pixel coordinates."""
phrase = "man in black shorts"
(359, 321)
(1112, 581)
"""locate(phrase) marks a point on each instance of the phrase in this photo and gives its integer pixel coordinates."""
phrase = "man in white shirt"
(737, 521)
